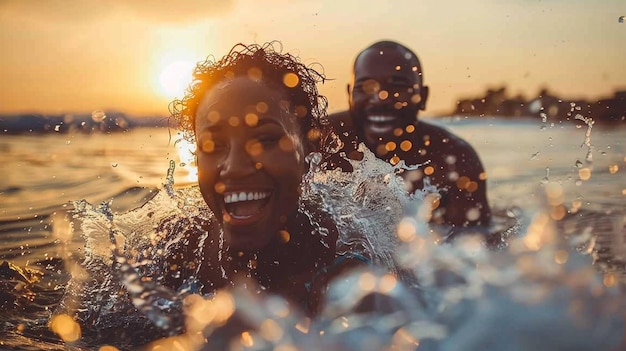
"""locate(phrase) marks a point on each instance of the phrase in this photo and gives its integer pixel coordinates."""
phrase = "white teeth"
(380, 119)
(229, 198)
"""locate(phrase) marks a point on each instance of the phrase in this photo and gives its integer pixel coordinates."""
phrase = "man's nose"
(380, 97)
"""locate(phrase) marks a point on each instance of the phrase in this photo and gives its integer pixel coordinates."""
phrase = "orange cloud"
(86, 10)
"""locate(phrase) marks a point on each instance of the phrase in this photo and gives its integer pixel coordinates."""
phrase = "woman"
(255, 115)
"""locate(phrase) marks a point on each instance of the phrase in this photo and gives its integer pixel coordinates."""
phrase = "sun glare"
(175, 77)
(187, 169)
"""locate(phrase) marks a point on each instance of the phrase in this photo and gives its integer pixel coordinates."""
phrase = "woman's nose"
(238, 163)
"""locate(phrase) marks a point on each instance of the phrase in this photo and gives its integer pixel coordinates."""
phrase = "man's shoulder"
(443, 142)
(441, 135)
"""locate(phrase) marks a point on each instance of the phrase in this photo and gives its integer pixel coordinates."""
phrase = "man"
(385, 98)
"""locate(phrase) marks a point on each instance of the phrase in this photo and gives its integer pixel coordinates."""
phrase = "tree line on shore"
(547, 106)
(94, 122)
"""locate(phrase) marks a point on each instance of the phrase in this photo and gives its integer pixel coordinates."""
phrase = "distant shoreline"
(495, 103)
(546, 106)
(95, 122)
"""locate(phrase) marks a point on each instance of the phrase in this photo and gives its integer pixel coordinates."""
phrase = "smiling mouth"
(245, 207)
(380, 124)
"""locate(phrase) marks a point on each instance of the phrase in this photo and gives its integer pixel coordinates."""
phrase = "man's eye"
(369, 86)
(403, 87)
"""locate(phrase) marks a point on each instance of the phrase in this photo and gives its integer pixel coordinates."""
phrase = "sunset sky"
(85, 55)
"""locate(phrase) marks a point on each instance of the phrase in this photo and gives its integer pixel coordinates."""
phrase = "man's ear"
(424, 94)
(349, 91)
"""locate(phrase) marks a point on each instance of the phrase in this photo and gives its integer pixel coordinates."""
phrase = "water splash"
(366, 204)
(459, 295)
(589, 122)
(468, 298)
(126, 260)
(535, 155)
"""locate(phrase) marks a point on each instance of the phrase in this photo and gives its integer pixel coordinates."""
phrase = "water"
(580, 170)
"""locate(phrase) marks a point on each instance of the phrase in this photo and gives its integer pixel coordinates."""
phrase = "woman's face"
(250, 160)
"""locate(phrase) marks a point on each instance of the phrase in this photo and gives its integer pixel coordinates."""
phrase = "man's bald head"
(387, 46)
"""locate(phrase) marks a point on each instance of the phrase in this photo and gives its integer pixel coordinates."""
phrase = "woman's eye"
(210, 146)
(269, 140)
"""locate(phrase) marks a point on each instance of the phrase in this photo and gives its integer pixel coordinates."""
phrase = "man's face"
(386, 93)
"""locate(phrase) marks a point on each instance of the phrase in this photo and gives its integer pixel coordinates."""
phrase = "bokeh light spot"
(254, 148)
(584, 173)
(220, 187)
(251, 119)
(65, 327)
(234, 121)
(406, 230)
(207, 146)
(367, 281)
(390, 146)
(406, 145)
(261, 107)
(286, 144)
(255, 74)
(290, 80)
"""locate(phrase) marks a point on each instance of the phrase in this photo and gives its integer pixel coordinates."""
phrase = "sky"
(63, 56)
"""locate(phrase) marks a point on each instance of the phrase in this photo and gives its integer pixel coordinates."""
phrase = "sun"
(175, 77)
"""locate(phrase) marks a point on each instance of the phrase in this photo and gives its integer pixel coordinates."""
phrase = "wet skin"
(249, 165)
(385, 100)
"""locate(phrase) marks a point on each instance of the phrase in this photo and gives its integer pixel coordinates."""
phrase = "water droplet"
(98, 116)
(57, 127)
(114, 164)
(68, 142)
(546, 179)
(589, 156)
(579, 164)
(535, 156)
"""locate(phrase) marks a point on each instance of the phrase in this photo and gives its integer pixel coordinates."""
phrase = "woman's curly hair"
(273, 67)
